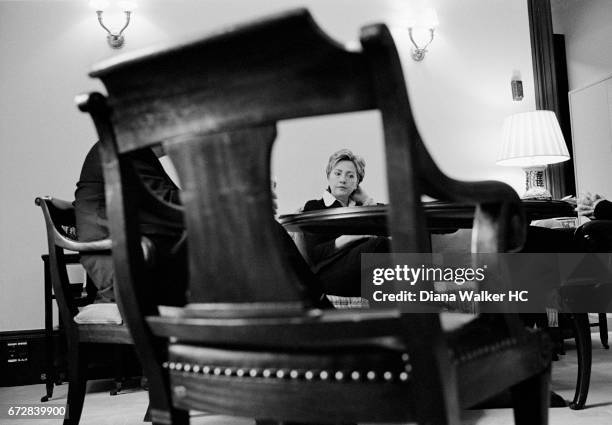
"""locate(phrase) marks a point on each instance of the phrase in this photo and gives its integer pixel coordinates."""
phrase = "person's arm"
(318, 246)
(343, 241)
(323, 246)
(586, 206)
(362, 198)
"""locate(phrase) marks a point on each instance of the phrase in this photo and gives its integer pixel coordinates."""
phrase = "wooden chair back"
(101, 326)
(60, 225)
(215, 114)
(213, 104)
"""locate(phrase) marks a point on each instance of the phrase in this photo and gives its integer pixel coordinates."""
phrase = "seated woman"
(337, 257)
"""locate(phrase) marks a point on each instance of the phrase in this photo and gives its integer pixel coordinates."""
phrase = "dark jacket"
(321, 247)
(90, 203)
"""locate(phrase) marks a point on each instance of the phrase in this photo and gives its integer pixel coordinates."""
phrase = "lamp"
(115, 40)
(427, 20)
(532, 140)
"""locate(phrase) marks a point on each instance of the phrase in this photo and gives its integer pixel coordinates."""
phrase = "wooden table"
(440, 216)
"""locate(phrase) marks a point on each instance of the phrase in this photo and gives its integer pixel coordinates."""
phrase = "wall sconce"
(427, 20)
(532, 140)
(115, 39)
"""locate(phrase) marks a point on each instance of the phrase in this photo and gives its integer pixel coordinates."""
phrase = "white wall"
(460, 92)
(587, 26)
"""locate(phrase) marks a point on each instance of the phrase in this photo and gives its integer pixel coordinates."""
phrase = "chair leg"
(160, 401)
(584, 346)
(603, 330)
(164, 417)
(49, 347)
(118, 386)
(147, 416)
(77, 382)
(49, 389)
(118, 368)
(530, 400)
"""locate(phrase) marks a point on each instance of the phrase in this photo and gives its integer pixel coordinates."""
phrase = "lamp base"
(537, 193)
(534, 184)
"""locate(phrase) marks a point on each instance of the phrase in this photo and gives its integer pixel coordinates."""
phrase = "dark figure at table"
(336, 258)
(594, 207)
(92, 224)
(568, 240)
(166, 236)
(539, 239)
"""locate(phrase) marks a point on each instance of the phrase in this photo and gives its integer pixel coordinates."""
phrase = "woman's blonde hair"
(346, 155)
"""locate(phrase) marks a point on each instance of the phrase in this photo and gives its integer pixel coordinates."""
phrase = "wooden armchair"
(596, 236)
(97, 323)
(592, 237)
(249, 343)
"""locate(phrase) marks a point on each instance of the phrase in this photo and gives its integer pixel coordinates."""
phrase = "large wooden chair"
(249, 343)
(83, 323)
(596, 236)
(578, 297)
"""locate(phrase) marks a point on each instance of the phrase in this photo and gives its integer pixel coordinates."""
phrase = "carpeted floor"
(129, 408)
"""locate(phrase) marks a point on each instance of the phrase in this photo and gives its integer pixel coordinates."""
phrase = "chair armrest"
(99, 245)
(59, 213)
(60, 204)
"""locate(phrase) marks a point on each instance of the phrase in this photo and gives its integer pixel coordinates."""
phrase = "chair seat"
(102, 313)
(102, 323)
(202, 377)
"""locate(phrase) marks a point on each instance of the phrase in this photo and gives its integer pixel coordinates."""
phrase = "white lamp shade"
(532, 139)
